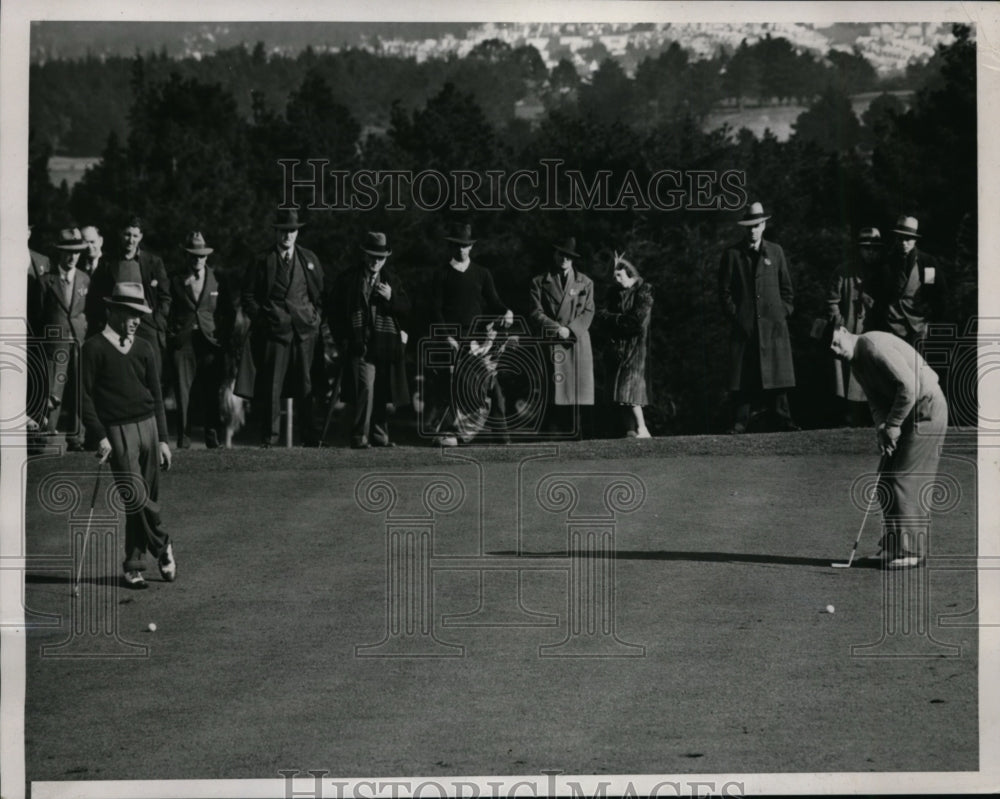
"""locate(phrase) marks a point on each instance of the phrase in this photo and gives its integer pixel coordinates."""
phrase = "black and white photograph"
(498, 399)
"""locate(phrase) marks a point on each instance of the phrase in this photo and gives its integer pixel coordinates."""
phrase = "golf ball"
(829, 609)
(152, 624)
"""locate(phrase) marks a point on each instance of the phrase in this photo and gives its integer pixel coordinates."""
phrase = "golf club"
(86, 535)
(871, 499)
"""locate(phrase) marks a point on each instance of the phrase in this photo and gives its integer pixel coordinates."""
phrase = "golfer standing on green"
(123, 410)
(911, 418)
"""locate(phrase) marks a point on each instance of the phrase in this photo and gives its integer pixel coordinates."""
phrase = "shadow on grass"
(694, 555)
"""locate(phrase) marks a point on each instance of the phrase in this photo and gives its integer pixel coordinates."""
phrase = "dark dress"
(626, 323)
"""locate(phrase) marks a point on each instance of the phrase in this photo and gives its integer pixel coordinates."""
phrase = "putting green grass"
(722, 578)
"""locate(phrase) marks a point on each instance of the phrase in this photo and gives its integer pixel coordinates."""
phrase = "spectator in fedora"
(463, 297)
(123, 410)
(367, 315)
(282, 297)
(562, 307)
(192, 340)
(756, 293)
(63, 299)
(911, 291)
(848, 304)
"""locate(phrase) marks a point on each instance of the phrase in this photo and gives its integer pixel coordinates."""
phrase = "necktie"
(67, 288)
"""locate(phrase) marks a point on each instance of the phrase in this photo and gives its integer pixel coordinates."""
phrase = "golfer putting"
(911, 418)
(123, 411)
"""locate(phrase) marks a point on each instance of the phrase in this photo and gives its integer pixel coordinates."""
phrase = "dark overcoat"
(757, 307)
(626, 323)
(553, 307)
(371, 330)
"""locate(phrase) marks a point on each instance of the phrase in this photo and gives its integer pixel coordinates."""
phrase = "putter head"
(840, 565)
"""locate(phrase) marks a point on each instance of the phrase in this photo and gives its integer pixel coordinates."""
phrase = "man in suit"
(367, 311)
(155, 284)
(63, 298)
(462, 293)
(192, 340)
(562, 306)
(756, 293)
(911, 290)
(282, 296)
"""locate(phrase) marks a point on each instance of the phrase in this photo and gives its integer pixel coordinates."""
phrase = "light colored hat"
(70, 240)
(129, 295)
(376, 244)
(754, 215)
(906, 227)
(195, 244)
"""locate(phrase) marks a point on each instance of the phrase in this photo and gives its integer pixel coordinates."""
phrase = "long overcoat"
(626, 321)
(552, 307)
(758, 306)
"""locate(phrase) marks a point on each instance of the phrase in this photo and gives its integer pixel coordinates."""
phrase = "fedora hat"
(906, 227)
(754, 215)
(287, 220)
(869, 237)
(376, 244)
(568, 247)
(128, 295)
(70, 240)
(195, 244)
(461, 234)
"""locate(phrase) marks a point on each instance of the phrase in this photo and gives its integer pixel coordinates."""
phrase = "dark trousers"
(198, 364)
(371, 393)
(63, 381)
(135, 464)
(289, 362)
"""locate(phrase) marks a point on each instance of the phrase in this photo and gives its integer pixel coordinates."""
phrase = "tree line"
(192, 158)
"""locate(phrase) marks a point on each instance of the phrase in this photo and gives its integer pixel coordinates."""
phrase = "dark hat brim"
(287, 225)
(566, 251)
(199, 250)
(463, 242)
(377, 253)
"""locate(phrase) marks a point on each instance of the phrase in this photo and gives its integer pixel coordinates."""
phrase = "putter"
(871, 498)
(86, 535)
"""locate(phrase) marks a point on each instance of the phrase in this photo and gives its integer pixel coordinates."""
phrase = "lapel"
(209, 286)
(77, 300)
(568, 295)
(56, 287)
(553, 287)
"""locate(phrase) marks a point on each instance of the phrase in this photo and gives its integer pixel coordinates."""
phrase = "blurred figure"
(36, 401)
(562, 306)
(282, 296)
(63, 299)
(95, 248)
(846, 306)
(462, 294)
(367, 313)
(756, 293)
(192, 341)
(626, 322)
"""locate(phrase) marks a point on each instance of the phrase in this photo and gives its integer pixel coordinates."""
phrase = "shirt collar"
(67, 274)
(112, 336)
(459, 266)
